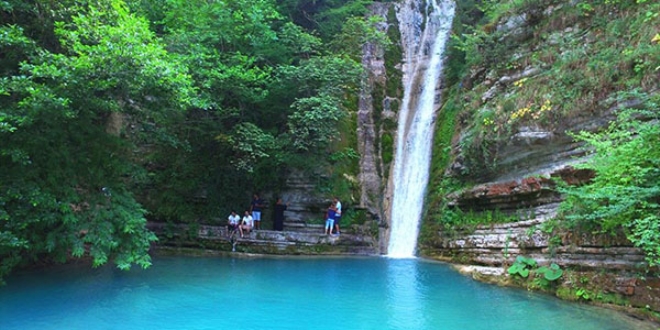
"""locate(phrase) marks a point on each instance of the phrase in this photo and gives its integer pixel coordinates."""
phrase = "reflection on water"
(282, 293)
(404, 295)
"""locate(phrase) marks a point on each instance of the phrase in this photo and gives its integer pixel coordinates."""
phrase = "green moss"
(389, 125)
(387, 145)
(441, 157)
(393, 56)
(344, 160)
(353, 216)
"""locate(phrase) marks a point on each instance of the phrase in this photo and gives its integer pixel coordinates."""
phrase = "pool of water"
(282, 293)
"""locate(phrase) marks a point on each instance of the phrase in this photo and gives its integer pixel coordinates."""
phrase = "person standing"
(278, 214)
(329, 219)
(255, 209)
(246, 223)
(232, 223)
(337, 214)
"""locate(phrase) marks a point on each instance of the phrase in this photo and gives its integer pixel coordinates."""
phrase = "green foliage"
(387, 145)
(453, 218)
(269, 96)
(327, 17)
(522, 266)
(357, 32)
(312, 125)
(324, 80)
(67, 164)
(625, 192)
(543, 276)
(466, 16)
(249, 144)
(550, 273)
(178, 110)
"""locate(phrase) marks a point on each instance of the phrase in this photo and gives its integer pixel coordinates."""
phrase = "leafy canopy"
(114, 110)
(65, 170)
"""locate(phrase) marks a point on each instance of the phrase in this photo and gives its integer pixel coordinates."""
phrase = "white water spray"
(422, 71)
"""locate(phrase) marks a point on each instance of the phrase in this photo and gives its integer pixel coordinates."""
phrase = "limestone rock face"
(511, 166)
(611, 260)
(368, 131)
(305, 203)
(517, 177)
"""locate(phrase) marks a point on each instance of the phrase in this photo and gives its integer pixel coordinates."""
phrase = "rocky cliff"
(533, 73)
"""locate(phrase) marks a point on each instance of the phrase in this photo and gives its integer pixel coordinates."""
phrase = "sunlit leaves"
(55, 153)
(356, 32)
(313, 124)
(250, 145)
(114, 54)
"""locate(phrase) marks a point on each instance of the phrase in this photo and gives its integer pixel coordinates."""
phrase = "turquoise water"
(282, 293)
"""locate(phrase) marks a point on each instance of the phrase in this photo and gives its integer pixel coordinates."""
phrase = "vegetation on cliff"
(541, 65)
(625, 194)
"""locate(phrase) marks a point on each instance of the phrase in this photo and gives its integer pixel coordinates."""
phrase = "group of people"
(332, 217)
(252, 217)
(235, 223)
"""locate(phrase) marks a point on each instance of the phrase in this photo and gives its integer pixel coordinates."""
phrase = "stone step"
(303, 227)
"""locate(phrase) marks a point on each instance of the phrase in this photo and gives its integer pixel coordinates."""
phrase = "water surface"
(282, 293)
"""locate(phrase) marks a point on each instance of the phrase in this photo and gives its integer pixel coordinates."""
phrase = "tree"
(268, 93)
(176, 110)
(66, 156)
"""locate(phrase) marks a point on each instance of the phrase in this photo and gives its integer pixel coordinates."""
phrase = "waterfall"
(423, 56)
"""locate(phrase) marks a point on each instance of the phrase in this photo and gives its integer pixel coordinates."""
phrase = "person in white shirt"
(246, 223)
(337, 214)
(232, 222)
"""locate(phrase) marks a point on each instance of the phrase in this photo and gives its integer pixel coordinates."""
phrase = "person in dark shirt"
(278, 215)
(330, 219)
(255, 210)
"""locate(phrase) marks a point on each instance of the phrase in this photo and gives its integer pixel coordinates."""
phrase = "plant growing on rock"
(547, 274)
(626, 189)
(550, 273)
(522, 266)
(543, 275)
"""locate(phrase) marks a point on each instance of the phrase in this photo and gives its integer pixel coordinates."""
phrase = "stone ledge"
(264, 241)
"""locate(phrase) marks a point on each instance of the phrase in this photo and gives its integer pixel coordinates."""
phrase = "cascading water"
(422, 71)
